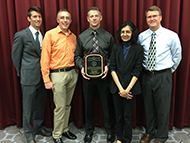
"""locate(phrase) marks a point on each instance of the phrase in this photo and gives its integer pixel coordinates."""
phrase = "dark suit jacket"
(125, 70)
(26, 57)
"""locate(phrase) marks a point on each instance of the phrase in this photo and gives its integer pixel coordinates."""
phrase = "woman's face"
(126, 33)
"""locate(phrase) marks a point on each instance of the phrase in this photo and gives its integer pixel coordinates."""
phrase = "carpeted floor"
(12, 134)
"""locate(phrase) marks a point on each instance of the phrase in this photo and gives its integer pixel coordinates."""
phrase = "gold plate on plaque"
(94, 65)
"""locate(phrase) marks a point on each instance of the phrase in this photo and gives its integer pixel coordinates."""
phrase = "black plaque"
(94, 65)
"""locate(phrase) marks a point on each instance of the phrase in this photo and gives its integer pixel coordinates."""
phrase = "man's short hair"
(33, 8)
(154, 8)
(63, 10)
(94, 8)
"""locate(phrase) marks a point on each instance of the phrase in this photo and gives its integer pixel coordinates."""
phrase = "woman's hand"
(125, 94)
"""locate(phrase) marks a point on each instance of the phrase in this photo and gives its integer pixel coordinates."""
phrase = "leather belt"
(62, 70)
(155, 72)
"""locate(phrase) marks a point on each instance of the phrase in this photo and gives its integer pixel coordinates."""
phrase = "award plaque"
(94, 65)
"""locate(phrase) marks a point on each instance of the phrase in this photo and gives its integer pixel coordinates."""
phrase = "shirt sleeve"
(112, 42)
(112, 59)
(175, 51)
(79, 54)
(45, 57)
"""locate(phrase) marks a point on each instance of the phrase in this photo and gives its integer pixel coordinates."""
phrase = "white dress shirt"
(40, 37)
(168, 48)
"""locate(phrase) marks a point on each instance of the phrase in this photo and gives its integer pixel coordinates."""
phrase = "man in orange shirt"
(59, 74)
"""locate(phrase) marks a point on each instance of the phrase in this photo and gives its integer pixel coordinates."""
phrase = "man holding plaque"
(92, 58)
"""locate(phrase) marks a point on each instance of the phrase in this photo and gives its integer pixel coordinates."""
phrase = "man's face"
(35, 20)
(153, 20)
(64, 20)
(94, 18)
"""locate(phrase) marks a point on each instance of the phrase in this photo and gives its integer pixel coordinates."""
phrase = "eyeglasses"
(154, 16)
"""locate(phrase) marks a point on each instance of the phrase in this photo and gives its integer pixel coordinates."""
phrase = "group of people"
(138, 63)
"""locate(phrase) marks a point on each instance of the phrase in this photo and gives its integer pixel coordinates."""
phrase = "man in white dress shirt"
(157, 74)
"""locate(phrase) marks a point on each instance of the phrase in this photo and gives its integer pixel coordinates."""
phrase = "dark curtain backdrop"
(13, 18)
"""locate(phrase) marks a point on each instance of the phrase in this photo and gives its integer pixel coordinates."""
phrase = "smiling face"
(126, 33)
(94, 18)
(35, 20)
(153, 20)
(64, 20)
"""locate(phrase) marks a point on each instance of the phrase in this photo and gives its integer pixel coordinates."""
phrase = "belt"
(155, 72)
(62, 70)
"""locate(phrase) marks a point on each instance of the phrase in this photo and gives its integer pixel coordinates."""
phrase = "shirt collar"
(98, 31)
(158, 31)
(60, 31)
(33, 30)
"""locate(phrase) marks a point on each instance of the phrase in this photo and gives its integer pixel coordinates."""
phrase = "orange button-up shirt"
(57, 51)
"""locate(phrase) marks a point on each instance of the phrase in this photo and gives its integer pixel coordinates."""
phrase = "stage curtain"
(14, 18)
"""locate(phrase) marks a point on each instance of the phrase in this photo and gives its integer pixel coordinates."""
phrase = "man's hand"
(84, 75)
(49, 85)
(105, 71)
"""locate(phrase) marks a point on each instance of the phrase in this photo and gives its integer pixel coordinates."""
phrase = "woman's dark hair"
(133, 28)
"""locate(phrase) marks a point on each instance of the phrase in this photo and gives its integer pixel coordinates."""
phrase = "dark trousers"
(34, 98)
(123, 112)
(157, 97)
(90, 88)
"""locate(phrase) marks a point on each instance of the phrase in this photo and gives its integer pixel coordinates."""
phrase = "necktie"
(95, 43)
(37, 40)
(151, 64)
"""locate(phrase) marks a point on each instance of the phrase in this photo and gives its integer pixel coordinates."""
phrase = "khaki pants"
(64, 84)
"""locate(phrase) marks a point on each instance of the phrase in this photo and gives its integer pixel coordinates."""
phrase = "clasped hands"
(125, 94)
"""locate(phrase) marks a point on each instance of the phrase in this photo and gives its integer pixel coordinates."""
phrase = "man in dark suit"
(26, 58)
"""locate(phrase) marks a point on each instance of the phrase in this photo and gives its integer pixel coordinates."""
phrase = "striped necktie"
(95, 43)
